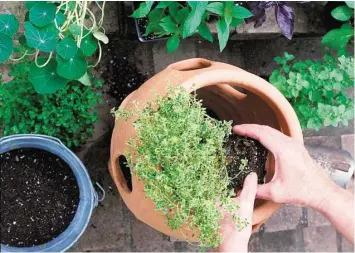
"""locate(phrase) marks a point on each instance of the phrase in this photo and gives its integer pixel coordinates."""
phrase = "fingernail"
(253, 175)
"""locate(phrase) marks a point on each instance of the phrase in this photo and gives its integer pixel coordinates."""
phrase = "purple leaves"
(283, 13)
(285, 19)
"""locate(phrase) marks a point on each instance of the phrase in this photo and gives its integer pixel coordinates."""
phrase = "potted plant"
(52, 88)
(177, 20)
(46, 194)
(148, 145)
(318, 90)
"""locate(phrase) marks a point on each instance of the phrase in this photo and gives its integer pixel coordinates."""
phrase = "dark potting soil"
(39, 197)
(121, 75)
(244, 155)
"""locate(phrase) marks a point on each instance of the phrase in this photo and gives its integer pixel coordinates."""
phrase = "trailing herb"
(178, 154)
(184, 20)
(317, 90)
(61, 37)
(66, 114)
(339, 38)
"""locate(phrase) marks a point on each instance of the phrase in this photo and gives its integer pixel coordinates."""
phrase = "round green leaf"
(60, 18)
(6, 47)
(46, 80)
(74, 68)
(30, 4)
(42, 14)
(41, 39)
(342, 13)
(74, 29)
(8, 24)
(88, 45)
(67, 48)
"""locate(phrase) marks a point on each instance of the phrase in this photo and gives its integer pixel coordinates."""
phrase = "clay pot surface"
(251, 100)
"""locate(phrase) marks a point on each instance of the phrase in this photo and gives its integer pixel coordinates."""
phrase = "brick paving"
(114, 228)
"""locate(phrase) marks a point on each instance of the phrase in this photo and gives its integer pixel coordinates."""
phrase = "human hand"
(233, 239)
(297, 179)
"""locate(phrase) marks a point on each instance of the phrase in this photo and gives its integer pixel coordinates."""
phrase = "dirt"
(244, 155)
(120, 73)
(39, 197)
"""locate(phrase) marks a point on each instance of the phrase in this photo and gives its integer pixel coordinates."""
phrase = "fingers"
(271, 138)
(247, 195)
(263, 191)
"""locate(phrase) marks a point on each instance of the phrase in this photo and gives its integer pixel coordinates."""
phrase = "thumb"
(263, 191)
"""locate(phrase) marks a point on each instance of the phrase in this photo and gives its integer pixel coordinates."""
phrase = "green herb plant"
(317, 90)
(60, 37)
(339, 38)
(171, 18)
(66, 114)
(178, 154)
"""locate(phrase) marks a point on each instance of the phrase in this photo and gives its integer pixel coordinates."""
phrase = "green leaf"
(8, 24)
(194, 19)
(342, 13)
(45, 80)
(40, 39)
(6, 46)
(60, 18)
(42, 14)
(85, 79)
(67, 48)
(164, 4)
(350, 4)
(216, 7)
(75, 29)
(168, 25)
(30, 4)
(72, 69)
(173, 43)
(337, 38)
(155, 15)
(274, 76)
(289, 57)
(223, 34)
(143, 9)
(101, 37)
(299, 65)
(182, 15)
(174, 11)
(236, 22)
(89, 45)
(205, 32)
(241, 12)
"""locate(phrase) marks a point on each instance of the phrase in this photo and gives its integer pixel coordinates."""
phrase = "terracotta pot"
(253, 101)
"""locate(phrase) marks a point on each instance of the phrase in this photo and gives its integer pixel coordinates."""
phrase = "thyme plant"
(179, 156)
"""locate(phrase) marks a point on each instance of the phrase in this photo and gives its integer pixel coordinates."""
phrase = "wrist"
(325, 197)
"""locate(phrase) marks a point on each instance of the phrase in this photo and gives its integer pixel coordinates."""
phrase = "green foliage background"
(67, 114)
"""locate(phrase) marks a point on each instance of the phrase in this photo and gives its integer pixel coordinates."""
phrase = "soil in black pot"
(39, 197)
(244, 155)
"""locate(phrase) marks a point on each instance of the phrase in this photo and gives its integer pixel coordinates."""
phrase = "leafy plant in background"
(184, 20)
(66, 114)
(339, 38)
(284, 14)
(187, 144)
(317, 90)
(61, 37)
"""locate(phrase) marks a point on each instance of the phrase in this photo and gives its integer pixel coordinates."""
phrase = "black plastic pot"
(138, 28)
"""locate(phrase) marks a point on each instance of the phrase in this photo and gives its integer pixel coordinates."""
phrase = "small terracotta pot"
(253, 101)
